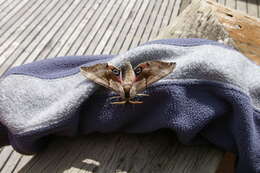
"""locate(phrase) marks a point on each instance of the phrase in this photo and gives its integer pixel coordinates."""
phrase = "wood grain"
(147, 153)
(216, 22)
(244, 31)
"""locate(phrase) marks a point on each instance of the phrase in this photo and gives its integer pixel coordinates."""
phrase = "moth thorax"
(128, 74)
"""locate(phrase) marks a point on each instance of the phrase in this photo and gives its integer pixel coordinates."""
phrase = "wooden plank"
(159, 19)
(131, 33)
(22, 163)
(109, 153)
(122, 30)
(67, 162)
(167, 16)
(111, 18)
(151, 23)
(26, 39)
(143, 31)
(24, 31)
(66, 38)
(4, 3)
(92, 17)
(223, 2)
(231, 4)
(226, 163)
(51, 37)
(44, 37)
(40, 162)
(10, 8)
(17, 25)
(176, 10)
(109, 30)
(13, 15)
(258, 9)
(183, 5)
(29, 163)
(252, 7)
(5, 155)
(81, 21)
(8, 32)
(6, 7)
(12, 162)
(241, 6)
(107, 43)
(88, 40)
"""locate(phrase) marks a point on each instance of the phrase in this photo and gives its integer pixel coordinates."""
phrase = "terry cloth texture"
(213, 96)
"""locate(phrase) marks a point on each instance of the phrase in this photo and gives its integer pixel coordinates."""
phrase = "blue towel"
(213, 96)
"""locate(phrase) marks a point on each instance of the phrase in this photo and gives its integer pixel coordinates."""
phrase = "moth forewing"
(164, 70)
(168, 67)
(117, 87)
(133, 91)
(140, 85)
(102, 75)
(152, 72)
(95, 73)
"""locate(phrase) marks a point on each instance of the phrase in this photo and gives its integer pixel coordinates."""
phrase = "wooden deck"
(32, 30)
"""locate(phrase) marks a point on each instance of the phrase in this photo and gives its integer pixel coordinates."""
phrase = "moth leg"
(142, 94)
(119, 103)
(135, 102)
(115, 97)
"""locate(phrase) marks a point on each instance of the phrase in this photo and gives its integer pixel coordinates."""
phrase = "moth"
(127, 81)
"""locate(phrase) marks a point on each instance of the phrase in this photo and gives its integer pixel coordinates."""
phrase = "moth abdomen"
(127, 89)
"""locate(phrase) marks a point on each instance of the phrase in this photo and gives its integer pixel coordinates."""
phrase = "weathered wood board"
(111, 153)
(209, 20)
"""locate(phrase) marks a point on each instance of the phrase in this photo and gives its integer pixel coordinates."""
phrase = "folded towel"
(213, 96)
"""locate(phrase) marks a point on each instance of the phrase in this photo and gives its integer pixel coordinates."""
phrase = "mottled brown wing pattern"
(106, 75)
(150, 72)
(128, 82)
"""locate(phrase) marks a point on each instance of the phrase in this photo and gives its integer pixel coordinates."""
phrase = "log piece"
(210, 20)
